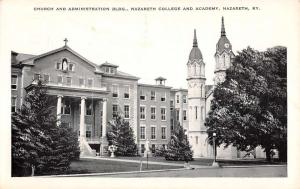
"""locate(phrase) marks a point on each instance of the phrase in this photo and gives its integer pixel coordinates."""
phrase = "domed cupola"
(195, 53)
(223, 43)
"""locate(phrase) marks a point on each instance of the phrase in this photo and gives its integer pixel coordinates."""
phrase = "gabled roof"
(30, 60)
(18, 57)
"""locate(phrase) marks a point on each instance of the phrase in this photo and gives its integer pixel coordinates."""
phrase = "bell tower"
(196, 100)
(223, 56)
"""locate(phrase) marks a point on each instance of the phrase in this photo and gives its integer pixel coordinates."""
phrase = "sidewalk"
(145, 161)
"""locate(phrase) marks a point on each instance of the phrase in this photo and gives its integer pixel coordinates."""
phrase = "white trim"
(112, 91)
(112, 108)
(164, 126)
(165, 113)
(163, 96)
(145, 132)
(153, 126)
(154, 95)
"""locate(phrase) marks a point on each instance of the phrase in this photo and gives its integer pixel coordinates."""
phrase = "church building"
(87, 96)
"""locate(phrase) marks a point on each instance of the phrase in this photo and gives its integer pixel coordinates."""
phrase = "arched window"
(196, 112)
(224, 60)
(201, 92)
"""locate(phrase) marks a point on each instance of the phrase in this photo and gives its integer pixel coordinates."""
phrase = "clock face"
(226, 45)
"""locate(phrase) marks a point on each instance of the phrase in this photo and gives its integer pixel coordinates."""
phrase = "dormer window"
(107, 69)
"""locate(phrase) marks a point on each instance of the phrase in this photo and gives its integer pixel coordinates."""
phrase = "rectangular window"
(153, 132)
(126, 92)
(142, 112)
(163, 98)
(90, 83)
(177, 114)
(81, 82)
(112, 70)
(58, 66)
(177, 99)
(66, 108)
(126, 111)
(184, 115)
(36, 76)
(153, 113)
(163, 133)
(88, 131)
(69, 80)
(196, 139)
(184, 99)
(202, 113)
(152, 95)
(115, 91)
(142, 133)
(171, 103)
(71, 67)
(107, 69)
(172, 123)
(142, 148)
(142, 95)
(196, 112)
(59, 79)
(46, 78)
(13, 104)
(163, 114)
(89, 108)
(14, 81)
(153, 148)
(115, 110)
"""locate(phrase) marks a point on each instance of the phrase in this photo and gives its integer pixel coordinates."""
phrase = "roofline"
(156, 86)
(120, 76)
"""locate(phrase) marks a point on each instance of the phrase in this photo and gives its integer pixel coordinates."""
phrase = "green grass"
(104, 166)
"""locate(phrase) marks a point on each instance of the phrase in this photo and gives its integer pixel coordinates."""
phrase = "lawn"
(104, 166)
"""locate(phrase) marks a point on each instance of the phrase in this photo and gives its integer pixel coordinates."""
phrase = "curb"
(113, 173)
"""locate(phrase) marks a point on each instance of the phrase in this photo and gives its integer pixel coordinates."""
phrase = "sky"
(144, 44)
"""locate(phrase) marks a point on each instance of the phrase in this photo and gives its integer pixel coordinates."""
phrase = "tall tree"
(121, 135)
(35, 135)
(250, 107)
(178, 148)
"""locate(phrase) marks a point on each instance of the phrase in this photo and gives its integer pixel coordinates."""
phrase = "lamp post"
(215, 163)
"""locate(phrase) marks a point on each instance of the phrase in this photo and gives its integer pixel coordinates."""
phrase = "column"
(59, 99)
(104, 117)
(82, 113)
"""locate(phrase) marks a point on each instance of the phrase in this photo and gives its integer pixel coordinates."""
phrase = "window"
(90, 83)
(184, 115)
(59, 79)
(46, 78)
(196, 139)
(163, 114)
(142, 112)
(58, 66)
(13, 104)
(153, 148)
(115, 110)
(184, 99)
(142, 95)
(65, 64)
(202, 113)
(126, 111)
(196, 112)
(126, 92)
(177, 99)
(71, 67)
(89, 107)
(66, 108)
(81, 82)
(69, 80)
(142, 148)
(142, 133)
(14, 81)
(36, 76)
(163, 97)
(88, 131)
(172, 123)
(163, 133)
(153, 134)
(171, 103)
(153, 113)
(164, 146)
(115, 91)
(152, 95)
(112, 70)
(177, 114)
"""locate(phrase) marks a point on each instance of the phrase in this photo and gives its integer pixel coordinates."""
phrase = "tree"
(36, 137)
(121, 135)
(250, 107)
(178, 148)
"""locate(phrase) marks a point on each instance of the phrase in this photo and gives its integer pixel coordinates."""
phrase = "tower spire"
(223, 33)
(195, 43)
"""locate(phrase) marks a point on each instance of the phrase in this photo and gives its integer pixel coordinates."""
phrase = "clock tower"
(196, 101)
(223, 56)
